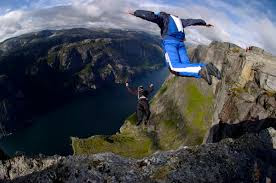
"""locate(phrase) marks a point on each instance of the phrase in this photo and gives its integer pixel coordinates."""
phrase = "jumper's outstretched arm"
(146, 15)
(193, 22)
(131, 90)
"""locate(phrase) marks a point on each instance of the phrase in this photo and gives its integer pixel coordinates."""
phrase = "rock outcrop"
(247, 91)
(47, 68)
(250, 158)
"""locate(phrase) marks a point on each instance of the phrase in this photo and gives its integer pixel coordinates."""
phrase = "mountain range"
(41, 70)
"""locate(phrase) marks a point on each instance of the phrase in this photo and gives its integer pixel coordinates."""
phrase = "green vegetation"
(198, 113)
(132, 119)
(51, 58)
(170, 123)
(170, 136)
(183, 120)
(235, 50)
(163, 89)
(166, 85)
(87, 69)
(125, 145)
(132, 141)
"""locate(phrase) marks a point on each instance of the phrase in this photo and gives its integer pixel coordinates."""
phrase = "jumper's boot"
(213, 71)
(205, 75)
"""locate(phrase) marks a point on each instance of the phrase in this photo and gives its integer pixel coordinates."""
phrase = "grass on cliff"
(198, 111)
(170, 135)
(165, 87)
(173, 127)
(133, 142)
(119, 144)
(188, 122)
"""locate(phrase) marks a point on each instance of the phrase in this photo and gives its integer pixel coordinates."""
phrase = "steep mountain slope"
(184, 108)
(181, 114)
(41, 70)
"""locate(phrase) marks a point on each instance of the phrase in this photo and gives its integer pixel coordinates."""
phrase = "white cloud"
(10, 23)
(244, 25)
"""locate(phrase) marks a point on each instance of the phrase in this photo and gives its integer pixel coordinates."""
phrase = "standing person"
(173, 37)
(143, 108)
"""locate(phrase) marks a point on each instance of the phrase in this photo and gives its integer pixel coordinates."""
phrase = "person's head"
(157, 13)
(140, 88)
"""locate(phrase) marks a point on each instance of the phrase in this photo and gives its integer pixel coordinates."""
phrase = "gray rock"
(227, 161)
(268, 82)
(246, 77)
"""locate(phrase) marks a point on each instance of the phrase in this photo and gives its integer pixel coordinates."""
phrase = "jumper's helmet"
(140, 88)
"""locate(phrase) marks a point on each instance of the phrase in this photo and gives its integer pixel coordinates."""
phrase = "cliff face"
(241, 148)
(248, 89)
(43, 69)
(181, 114)
(185, 108)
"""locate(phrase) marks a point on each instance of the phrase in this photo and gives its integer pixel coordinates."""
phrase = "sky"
(244, 23)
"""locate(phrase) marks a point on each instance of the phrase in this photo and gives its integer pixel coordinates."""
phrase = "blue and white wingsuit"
(172, 31)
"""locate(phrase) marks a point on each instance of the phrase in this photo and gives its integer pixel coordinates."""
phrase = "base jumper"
(173, 37)
(142, 109)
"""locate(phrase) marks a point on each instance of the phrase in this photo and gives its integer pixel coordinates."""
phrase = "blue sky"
(242, 22)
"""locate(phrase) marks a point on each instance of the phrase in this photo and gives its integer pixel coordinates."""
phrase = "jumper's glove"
(127, 84)
(151, 85)
(130, 13)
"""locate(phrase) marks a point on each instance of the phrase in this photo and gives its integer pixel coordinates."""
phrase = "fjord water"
(101, 112)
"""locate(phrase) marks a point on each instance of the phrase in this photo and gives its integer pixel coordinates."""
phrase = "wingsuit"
(142, 109)
(173, 37)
